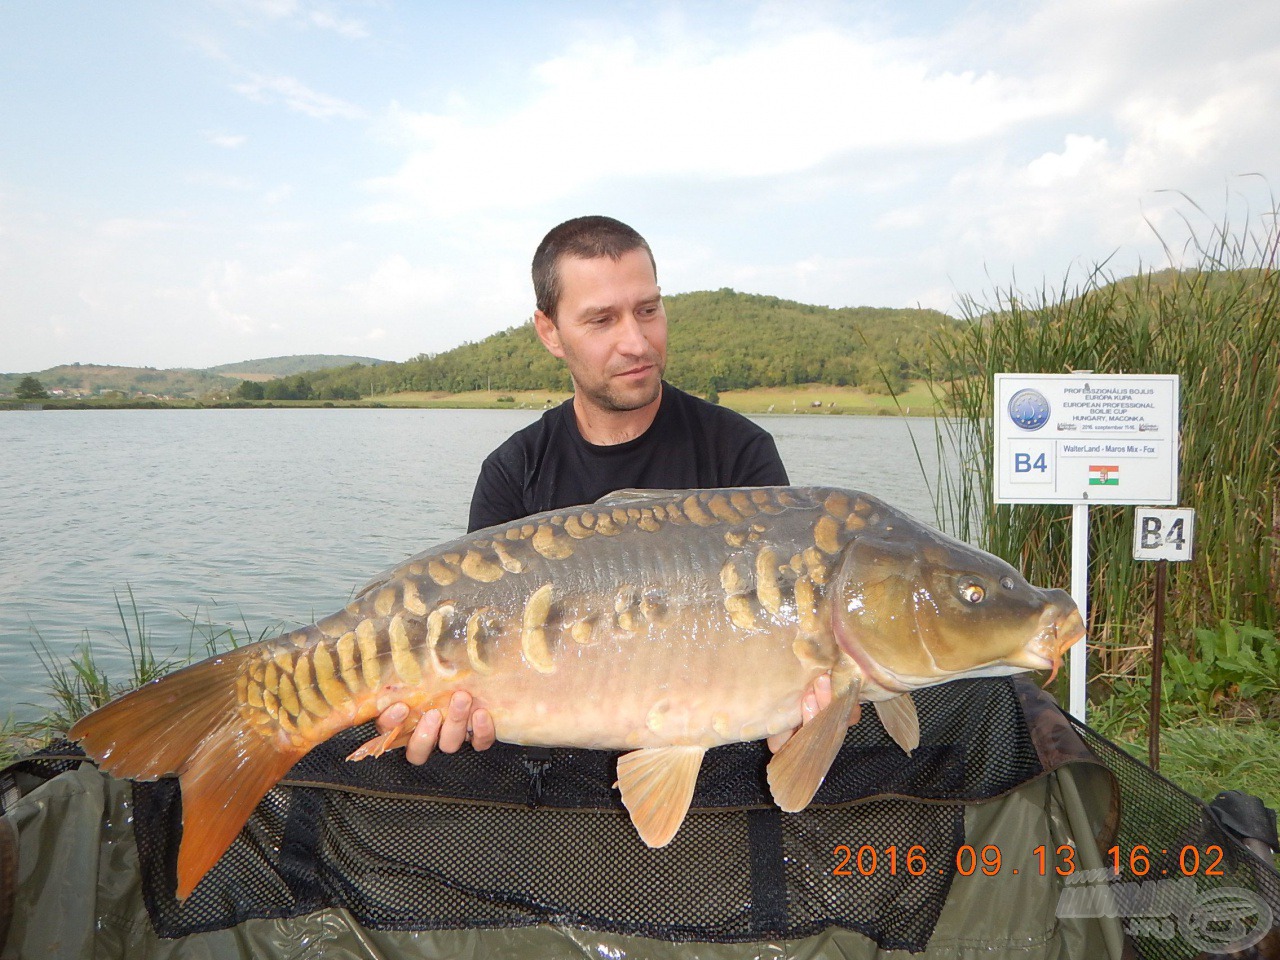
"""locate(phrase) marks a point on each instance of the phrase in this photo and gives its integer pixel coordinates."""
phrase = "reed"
(1217, 325)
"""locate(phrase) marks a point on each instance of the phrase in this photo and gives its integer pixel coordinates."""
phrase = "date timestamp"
(1136, 861)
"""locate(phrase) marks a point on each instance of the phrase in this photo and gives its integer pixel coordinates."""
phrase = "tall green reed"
(1217, 326)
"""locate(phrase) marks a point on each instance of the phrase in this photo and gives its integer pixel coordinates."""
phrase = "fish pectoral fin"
(900, 721)
(657, 787)
(797, 770)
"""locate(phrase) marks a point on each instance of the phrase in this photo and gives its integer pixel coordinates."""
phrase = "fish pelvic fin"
(797, 770)
(191, 723)
(657, 787)
(900, 721)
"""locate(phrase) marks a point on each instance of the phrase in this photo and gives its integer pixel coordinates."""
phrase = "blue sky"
(197, 183)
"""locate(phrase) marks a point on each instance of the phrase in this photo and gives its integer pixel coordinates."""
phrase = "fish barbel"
(662, 623)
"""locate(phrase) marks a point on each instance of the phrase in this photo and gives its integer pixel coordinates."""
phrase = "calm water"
(257, 518)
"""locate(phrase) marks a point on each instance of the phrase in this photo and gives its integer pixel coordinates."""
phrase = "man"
(599, 308)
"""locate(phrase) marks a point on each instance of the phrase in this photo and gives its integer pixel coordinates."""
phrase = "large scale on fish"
(660, 623)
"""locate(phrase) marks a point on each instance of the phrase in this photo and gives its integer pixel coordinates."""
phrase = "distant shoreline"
(916, 400)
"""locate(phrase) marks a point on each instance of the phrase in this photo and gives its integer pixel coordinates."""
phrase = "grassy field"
(917, 400)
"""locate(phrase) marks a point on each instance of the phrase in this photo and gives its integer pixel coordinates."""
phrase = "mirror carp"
(660, 623)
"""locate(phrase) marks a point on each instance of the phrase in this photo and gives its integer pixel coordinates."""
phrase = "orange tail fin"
(191, 723)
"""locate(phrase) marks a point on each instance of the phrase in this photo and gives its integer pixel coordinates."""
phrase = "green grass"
(1206, 757)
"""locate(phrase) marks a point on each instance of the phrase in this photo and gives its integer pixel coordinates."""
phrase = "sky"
(196, 183)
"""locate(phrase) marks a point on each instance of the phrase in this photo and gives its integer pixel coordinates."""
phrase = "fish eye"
(1006, 582)
(972, 592)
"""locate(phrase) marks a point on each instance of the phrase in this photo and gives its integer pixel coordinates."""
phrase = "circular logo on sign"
(1029, 409)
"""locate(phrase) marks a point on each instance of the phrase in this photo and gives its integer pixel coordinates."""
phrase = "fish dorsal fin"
(632, 494)
(657, 787)
(798, 769)
(900, 721)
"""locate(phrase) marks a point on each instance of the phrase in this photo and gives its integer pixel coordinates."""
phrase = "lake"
(260, 518)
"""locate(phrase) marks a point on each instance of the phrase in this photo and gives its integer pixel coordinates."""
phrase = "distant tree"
(31, 389)
(296, 387)
(250, 390)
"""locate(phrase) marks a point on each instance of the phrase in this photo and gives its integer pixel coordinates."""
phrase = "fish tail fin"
(193, 723)
(226, 778)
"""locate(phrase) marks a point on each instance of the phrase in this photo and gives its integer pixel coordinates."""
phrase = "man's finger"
(392, 717)
(483, 733)
(821, 689)
(778, 740)
(454, 730)
(809, 707)
(423, 739)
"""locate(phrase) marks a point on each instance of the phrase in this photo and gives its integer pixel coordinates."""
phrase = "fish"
(657, 623)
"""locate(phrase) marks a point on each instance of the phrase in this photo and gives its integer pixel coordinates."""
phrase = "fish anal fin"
(398, 736)
(391, 740)
(657, 787)
(223, 784)
(900, 721)
(797, 770)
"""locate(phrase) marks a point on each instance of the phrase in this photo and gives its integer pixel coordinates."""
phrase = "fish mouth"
(1059, 629)
(1066, 629)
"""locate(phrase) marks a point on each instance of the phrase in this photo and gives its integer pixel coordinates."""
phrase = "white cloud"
(398, 287)
(228, 141)
(324, 16)
(296, 95)
(328, 20)
(1079, 154)
(278, 195)
(612, 111)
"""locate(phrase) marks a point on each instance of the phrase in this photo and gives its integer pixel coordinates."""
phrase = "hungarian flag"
(1104, 475)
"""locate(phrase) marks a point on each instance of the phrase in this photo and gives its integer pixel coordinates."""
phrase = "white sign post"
(1085, 439)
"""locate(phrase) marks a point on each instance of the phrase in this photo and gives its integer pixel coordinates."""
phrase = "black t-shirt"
(691, 443)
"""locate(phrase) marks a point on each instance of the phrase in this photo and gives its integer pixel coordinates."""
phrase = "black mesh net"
(516, 837)
(1211, 892)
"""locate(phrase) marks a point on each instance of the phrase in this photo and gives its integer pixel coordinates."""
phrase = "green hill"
(717, 339)
(91, 379)
(288, 366)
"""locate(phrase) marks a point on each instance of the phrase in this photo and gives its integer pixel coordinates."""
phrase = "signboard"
(1163, 534)
(1086, 439)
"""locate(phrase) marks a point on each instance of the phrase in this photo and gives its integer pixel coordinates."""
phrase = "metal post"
(1157, 668)
(1079, 593)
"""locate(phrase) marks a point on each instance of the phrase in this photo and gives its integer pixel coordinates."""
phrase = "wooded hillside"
(719, 340)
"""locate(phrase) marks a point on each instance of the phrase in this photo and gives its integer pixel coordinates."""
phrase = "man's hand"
(816, 699)
(448, 732)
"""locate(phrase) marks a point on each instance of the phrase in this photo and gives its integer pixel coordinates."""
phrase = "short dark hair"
(585, 238)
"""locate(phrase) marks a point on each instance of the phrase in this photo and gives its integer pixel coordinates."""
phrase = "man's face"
(610, 329)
